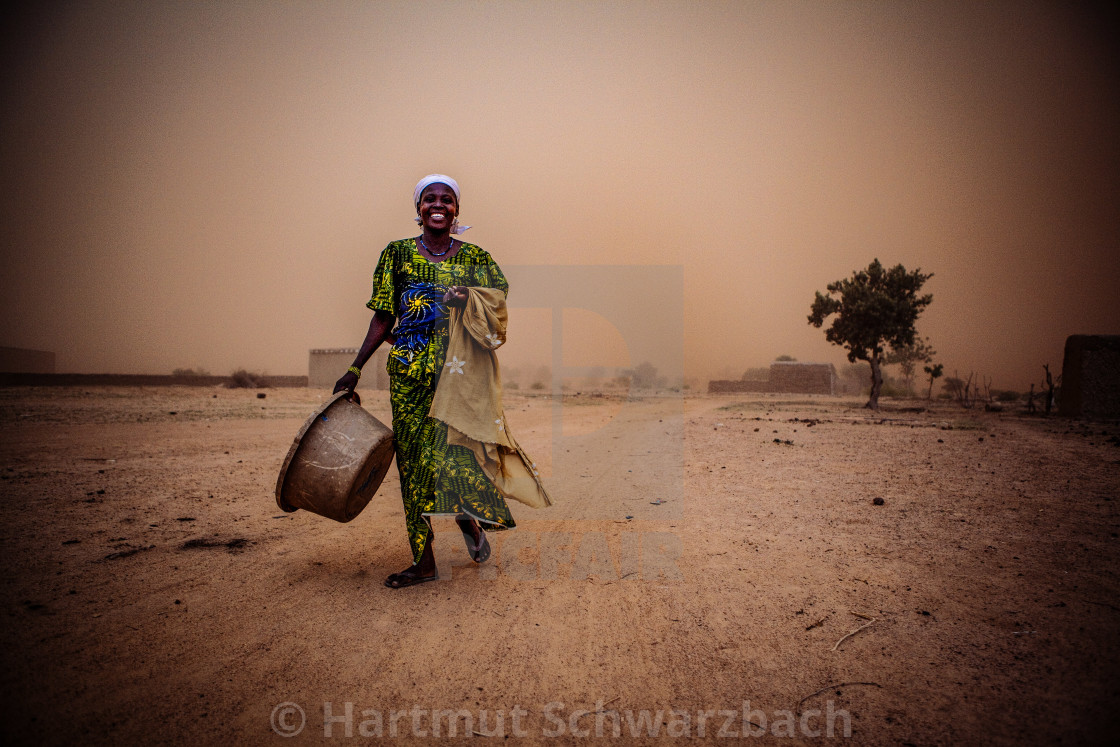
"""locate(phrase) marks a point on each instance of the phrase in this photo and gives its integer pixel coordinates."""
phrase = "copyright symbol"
(288, 719)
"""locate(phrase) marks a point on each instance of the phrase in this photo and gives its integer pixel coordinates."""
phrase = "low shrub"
(190, 372)
(242, 379)
(892, 389)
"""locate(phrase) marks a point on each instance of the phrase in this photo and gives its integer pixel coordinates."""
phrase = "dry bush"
(242, 379)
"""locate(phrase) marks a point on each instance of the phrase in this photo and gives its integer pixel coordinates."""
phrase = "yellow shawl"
(468, 398)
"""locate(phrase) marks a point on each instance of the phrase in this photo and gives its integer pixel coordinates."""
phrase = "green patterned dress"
(435, 478)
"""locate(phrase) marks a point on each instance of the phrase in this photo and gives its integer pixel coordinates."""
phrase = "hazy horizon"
(209, 185)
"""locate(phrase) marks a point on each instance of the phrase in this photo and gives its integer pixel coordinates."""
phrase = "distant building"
(21, 360)
(803, 378)
(326, 365)
(789, 377)
(1091, 376)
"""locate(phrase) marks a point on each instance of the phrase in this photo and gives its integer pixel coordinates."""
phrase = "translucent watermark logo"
(556, 719)
(678, 723)
(288, 719)
(594, 316)
(526, 555)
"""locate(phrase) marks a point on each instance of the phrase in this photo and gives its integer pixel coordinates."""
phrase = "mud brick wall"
(65, 379)
(1091, 376)
(725, 385)
(803, 378)
(789, 377)
(326, 365)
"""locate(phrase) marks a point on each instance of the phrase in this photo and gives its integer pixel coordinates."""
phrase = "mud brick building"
(325, 365)
(1091, 376)
(789, 377)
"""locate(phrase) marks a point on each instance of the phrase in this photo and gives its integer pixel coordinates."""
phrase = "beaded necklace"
(434, 254)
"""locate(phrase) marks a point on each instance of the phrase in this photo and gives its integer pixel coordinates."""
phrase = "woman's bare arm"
(380, 329)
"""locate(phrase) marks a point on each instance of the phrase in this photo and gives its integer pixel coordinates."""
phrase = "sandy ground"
(154, 593)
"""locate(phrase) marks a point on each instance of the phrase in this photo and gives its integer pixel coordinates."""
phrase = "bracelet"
(356, 371)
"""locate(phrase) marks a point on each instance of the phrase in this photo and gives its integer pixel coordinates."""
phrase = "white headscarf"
(429, 180)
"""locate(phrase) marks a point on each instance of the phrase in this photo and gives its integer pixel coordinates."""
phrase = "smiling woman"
(415, 285)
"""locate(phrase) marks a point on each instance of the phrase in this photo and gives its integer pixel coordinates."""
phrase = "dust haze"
(209, 186)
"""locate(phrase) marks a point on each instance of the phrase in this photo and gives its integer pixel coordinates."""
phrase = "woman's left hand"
(456, 295)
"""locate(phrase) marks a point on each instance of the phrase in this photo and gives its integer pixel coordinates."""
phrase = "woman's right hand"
(456, 295)
(348, 381)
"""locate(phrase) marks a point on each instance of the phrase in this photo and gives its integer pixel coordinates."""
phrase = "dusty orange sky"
(209, 184)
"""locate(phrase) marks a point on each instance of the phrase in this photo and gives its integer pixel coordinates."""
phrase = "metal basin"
(337, 462)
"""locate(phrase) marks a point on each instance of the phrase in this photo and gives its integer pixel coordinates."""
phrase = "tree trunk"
(876, 381)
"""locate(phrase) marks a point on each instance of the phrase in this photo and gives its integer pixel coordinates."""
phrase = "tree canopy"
(875, 310)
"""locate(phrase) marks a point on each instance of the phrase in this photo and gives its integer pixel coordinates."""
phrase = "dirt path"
(153, 591)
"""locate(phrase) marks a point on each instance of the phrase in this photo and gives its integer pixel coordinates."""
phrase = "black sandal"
(406, 578)
(479, 553)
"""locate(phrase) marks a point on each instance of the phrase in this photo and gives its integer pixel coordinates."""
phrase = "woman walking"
(415, 285)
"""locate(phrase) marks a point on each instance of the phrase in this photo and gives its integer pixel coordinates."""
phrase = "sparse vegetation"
(908, 357)
(934, 371)
(644, 376)
(242, 379)
(961, 390)
(894, 388)
(969, 392)
(190, 372)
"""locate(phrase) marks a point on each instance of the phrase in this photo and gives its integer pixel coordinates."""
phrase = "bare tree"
(961, 389)
(1052, 387)
(934, 371)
